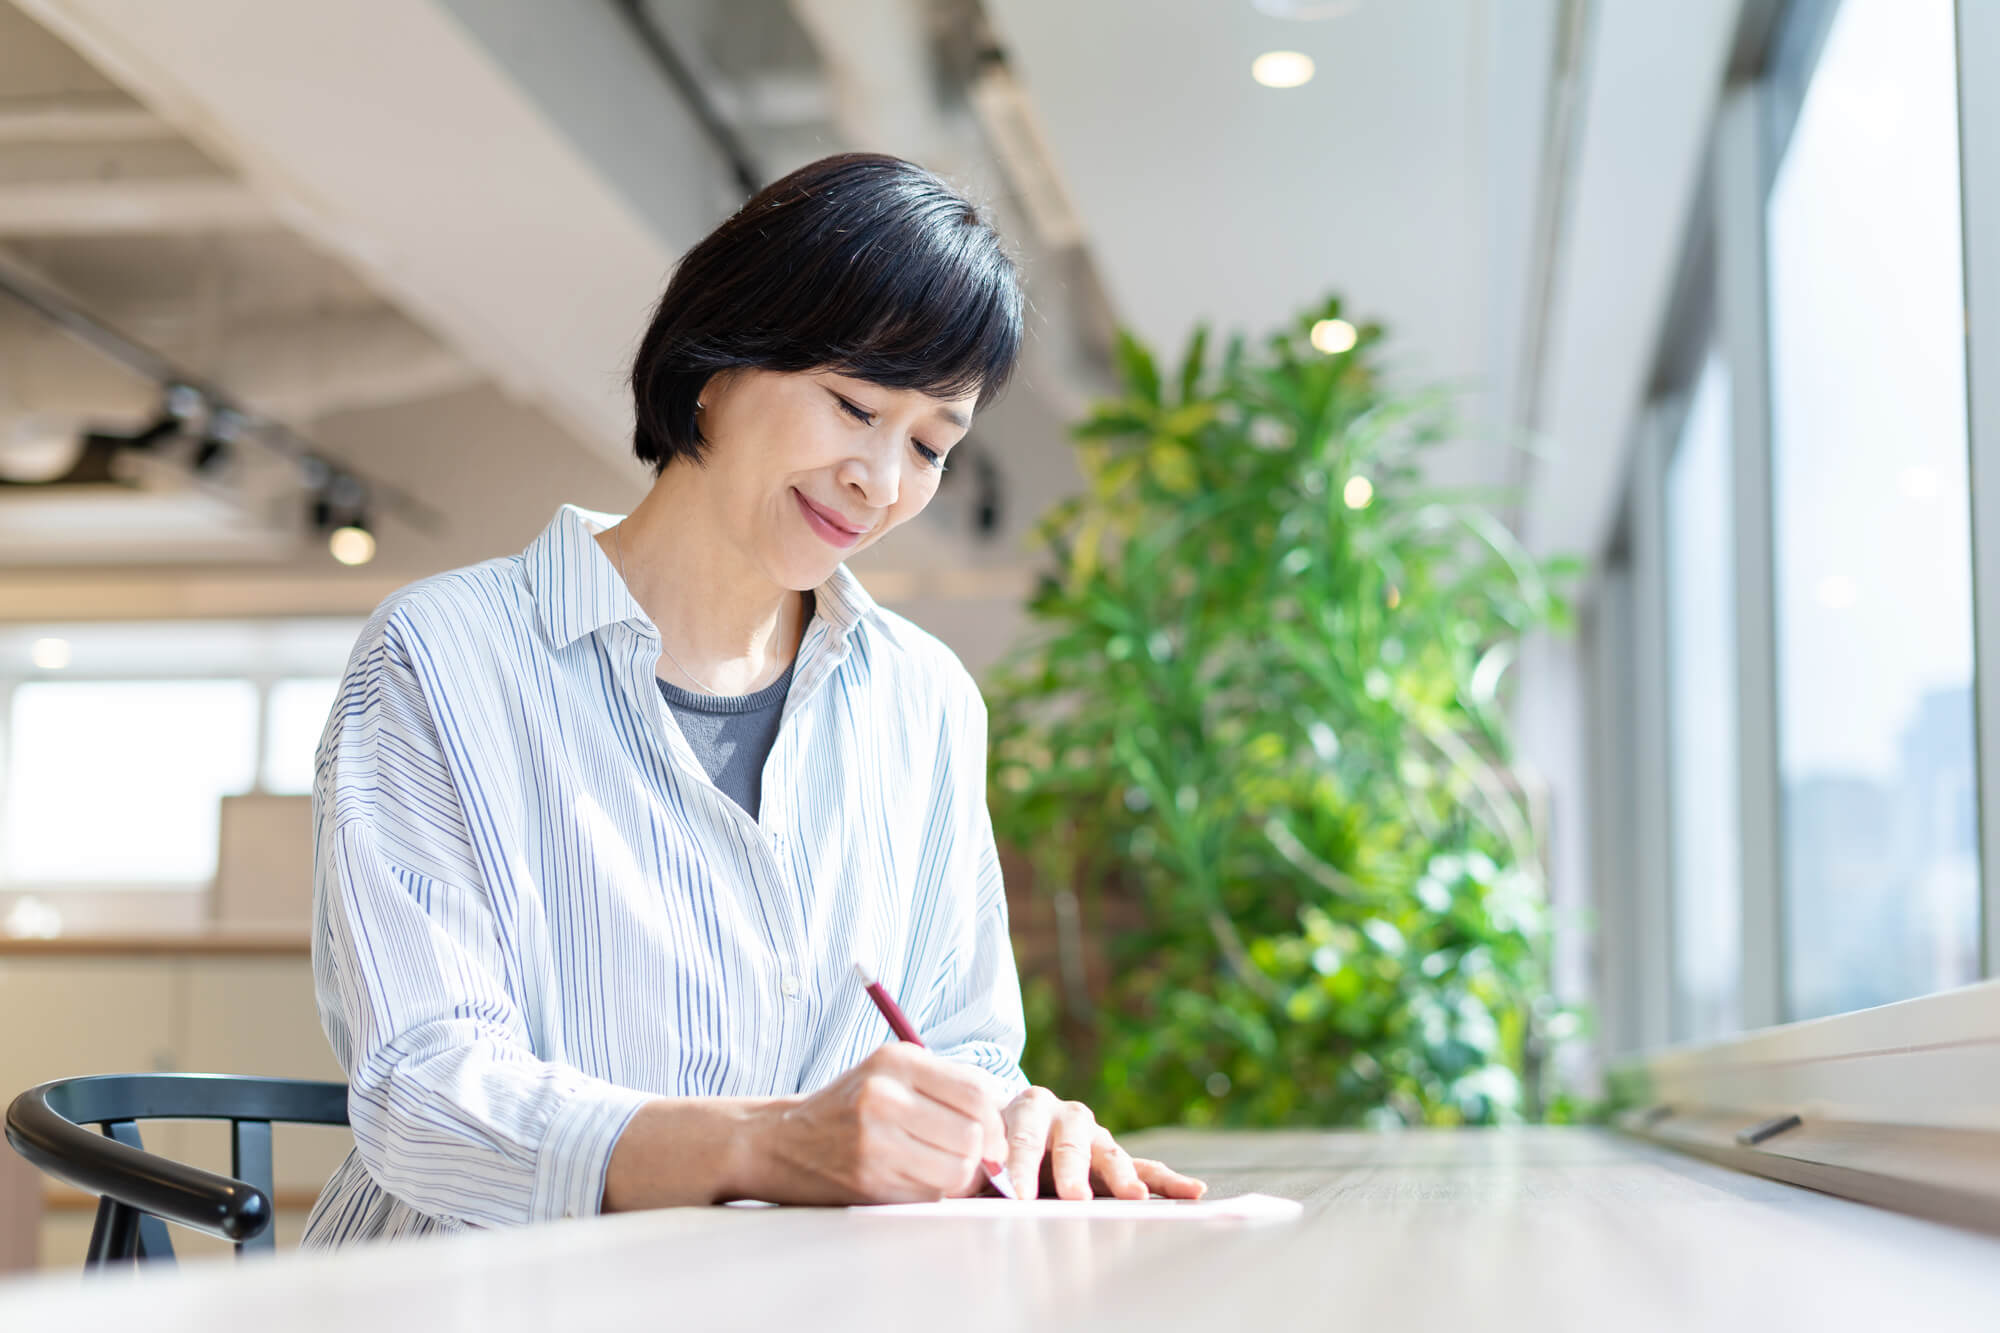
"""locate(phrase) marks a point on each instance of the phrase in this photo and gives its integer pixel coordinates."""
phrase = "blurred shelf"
(235, 944)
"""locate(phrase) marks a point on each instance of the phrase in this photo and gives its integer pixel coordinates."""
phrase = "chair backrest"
(137, 1188)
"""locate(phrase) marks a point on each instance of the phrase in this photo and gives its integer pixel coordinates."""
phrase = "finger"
(1111, 1167)
(1163, 1179)
(966, 1089)
(943, 1128)
(1069, 1150)
(931, 1171)
(1028, 1118)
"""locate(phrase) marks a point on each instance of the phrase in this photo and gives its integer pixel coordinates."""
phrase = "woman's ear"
(714, 387)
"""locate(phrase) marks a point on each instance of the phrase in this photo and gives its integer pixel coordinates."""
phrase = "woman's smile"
(829, 526)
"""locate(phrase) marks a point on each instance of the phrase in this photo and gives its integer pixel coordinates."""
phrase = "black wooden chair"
(137, 1188)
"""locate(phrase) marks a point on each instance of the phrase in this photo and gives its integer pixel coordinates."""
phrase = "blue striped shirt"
(532, 909)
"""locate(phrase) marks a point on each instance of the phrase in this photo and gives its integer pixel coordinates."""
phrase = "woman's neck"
(724, 628)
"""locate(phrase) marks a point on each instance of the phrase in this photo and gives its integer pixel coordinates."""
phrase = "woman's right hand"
(903, 1126)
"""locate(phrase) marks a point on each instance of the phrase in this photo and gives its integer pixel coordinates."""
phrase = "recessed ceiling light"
(37, 449)
(1333, 336)
(50, 654)
(352, 545)
(1282, 69)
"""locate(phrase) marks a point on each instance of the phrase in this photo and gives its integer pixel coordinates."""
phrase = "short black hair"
(860, 263)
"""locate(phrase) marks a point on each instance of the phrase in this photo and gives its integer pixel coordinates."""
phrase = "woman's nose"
(874, 476)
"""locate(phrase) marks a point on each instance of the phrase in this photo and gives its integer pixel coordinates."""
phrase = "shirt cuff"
(994, 1060)
(576, 1150)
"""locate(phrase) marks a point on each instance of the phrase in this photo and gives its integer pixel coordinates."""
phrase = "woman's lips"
(826, 526)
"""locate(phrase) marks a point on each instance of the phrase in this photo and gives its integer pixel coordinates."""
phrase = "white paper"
(1242, 1208)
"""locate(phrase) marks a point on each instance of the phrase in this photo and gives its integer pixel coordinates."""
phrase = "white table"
(1543, 1229)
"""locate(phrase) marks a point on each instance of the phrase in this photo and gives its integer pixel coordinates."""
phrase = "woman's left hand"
(1059, 1144)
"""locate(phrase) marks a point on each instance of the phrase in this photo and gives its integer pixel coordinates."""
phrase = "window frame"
(1676, 407)
(262, 676)
(1726, 238)
(1979, 198)
(1894, 1103)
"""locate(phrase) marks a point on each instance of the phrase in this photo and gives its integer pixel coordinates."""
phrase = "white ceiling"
(1407, 175)
(516, 178)
(1209, 197)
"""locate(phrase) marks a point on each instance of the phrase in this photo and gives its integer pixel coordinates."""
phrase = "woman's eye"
(932, 458)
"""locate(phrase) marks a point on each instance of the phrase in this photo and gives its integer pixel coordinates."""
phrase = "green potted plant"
(1255, 751)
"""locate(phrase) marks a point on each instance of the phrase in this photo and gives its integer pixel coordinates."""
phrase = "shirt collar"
(578, 590)
(842, 602)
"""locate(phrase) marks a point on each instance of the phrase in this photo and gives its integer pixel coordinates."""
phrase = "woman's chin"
(802, 575)
(802, 560)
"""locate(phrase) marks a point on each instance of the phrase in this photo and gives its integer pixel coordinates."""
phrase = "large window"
(119, 741)
(119, 782)
(295, 714)
(1872, 533)
(1702, 740)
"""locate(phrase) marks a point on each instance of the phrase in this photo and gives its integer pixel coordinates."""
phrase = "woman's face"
(808, 468)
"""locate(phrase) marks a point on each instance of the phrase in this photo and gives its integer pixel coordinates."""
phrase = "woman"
(603, 827)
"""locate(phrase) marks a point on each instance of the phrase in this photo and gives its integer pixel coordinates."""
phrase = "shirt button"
(791, 988)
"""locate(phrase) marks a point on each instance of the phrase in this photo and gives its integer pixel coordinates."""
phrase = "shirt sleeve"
(417, 978)
(975, 1015)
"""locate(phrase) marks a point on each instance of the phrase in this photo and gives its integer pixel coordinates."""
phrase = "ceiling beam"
(79, 185)
(79, 120)
(132, 593)
(105, 207)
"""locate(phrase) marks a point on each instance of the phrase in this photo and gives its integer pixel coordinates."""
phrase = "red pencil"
(900, 1025)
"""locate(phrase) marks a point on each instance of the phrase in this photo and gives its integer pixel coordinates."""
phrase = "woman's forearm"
(688, 1150)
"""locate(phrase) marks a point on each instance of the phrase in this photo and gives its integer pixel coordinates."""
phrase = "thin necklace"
(618, 545)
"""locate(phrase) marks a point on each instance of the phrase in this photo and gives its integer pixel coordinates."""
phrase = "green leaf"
(1113, 421)
(1191, 364)
(1135, 365)
(1117, 476)
(1184, 421)
(1562, 567)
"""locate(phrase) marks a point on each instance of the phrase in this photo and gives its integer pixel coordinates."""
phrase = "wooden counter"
(1533, 1229)
(210, 945)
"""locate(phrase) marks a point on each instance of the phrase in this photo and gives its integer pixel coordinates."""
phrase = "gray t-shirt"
(732, 735)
